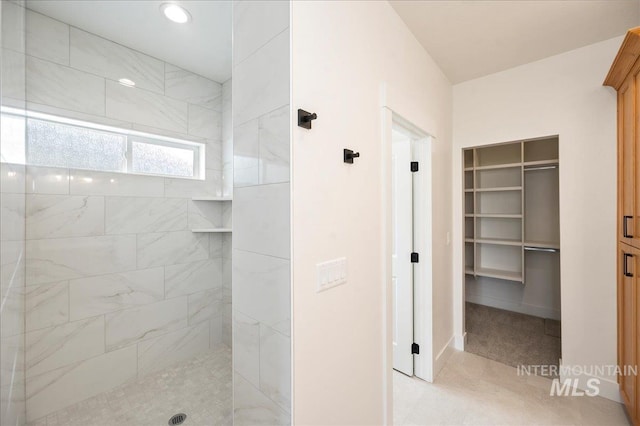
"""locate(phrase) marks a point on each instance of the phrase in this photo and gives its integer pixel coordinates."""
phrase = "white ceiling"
(470, 39)
(202, 45)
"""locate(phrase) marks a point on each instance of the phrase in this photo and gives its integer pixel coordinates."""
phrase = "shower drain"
(178, 419)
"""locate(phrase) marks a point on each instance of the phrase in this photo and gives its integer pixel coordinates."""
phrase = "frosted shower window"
(60, 145)
(162, 160)
(59, 142)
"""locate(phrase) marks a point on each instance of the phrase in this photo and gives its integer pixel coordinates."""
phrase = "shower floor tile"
(200, 388)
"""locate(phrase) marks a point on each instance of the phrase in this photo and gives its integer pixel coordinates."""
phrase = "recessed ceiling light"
(175, 13)
(127, 82)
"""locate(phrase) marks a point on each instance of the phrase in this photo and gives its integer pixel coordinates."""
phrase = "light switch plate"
(331, 273)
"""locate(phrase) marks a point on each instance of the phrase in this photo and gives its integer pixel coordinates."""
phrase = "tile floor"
(471, 390)
(200, 387)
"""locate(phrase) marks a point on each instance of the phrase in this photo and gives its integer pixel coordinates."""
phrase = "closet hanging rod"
(555, 166)
(547, 250)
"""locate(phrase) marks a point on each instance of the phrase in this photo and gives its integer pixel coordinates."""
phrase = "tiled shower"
(118, 203)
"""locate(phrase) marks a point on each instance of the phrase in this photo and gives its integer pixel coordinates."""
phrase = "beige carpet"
(511, 338)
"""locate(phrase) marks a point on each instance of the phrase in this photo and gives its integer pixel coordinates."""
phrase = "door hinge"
(415, 258)
(414, 166)
(415, 349)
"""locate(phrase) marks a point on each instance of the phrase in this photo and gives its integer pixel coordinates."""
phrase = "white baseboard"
(608, 388)
(443, 356)
(460, 340)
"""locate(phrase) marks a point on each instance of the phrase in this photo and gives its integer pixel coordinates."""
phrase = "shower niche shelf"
(212, 199)
(221, 230)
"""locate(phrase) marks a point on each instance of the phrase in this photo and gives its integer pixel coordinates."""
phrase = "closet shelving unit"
(511, 206)
(221, 230)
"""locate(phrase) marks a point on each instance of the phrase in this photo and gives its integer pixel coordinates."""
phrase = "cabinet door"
(626, 162)
(628, 261)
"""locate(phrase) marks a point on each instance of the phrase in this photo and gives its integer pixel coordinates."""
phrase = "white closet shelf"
(552, 162)
(498, 215)
(498, 241)
(498, 189)
(542, 244)
(211, 230)
(212, 199)
(468, 270)
(499, 166)
(499, 274)
(468, 190)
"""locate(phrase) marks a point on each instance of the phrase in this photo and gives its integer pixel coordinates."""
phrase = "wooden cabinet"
(628, 270)
(624, 77)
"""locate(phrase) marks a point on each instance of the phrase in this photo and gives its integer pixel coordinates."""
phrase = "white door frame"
(423, 273)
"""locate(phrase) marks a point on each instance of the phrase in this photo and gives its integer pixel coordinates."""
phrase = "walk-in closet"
(512, 251)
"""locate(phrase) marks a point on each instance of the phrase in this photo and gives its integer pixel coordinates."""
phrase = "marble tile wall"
(12, 223)
(261, 214)
(117, 284)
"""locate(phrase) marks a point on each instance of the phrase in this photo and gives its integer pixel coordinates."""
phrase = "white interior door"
(402, 268)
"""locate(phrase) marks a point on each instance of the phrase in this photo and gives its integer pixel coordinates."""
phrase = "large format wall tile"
(47, 38)
(275, 366)
(262, 219)
(46, 305)
(134, 325)
(145, 107)
(107, 293)
(160, 352)
(216, 337)
(64, 258)
(85, 182)
(205, 123)
(13, 21)
(265, 19)
(13, 86)
(67, 385)
(128, 215)
(12, 212)
(12, 291)
(246, 154)
(216, 248)
(261, 288)
(47, 180)
(227, 139)
(188, 278)
(56, 347)
(246, 347)
(170, 248)
(12, 178)
(205, 214)
(211, 186)
(261, 82)
(192, 88)
(252, 408)
(205, 306)
(64, 87)
(111, 60)
(59, 216)
(274, 146)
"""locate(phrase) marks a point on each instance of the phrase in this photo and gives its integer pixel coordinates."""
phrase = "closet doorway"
(411, 250)
(512, 252)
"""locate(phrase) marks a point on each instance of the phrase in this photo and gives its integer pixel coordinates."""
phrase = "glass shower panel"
(12, 222)
(128, 281)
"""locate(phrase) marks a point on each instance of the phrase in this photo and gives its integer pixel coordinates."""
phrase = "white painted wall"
(369, 60)
(561, 95)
